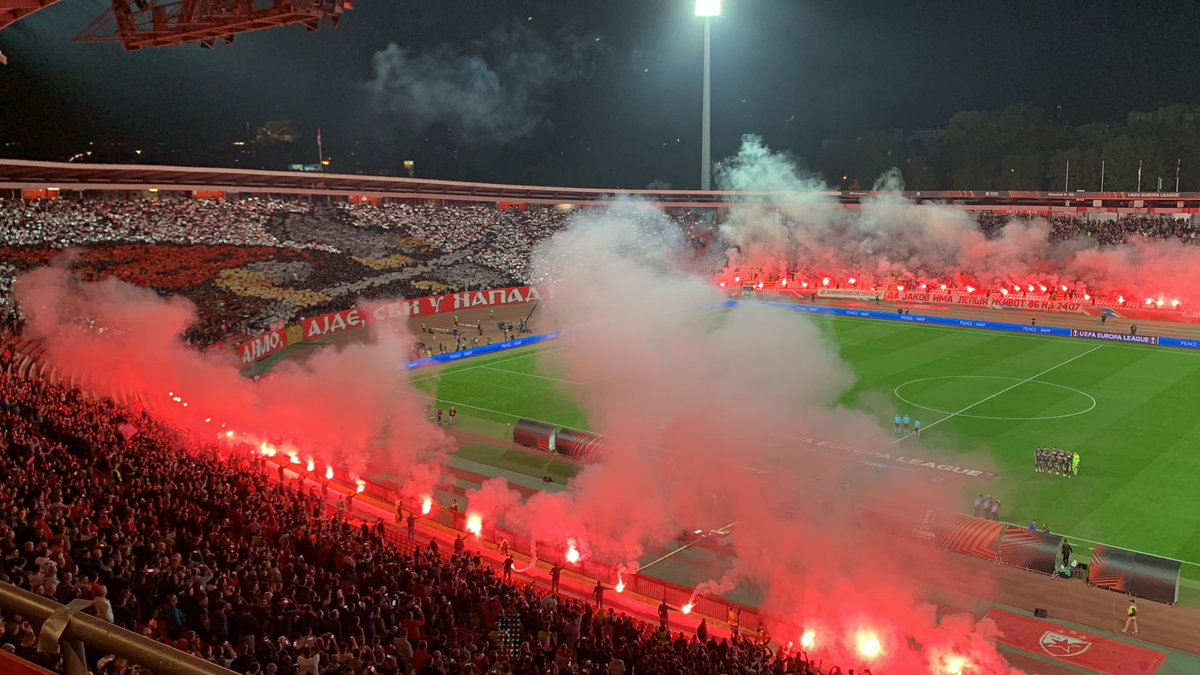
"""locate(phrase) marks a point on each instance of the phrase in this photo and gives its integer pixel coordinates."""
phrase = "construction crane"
(137, 24)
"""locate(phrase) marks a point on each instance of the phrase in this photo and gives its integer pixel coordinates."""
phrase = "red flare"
(868, 645)
(426, 505)
(329, 473)
(475, 524)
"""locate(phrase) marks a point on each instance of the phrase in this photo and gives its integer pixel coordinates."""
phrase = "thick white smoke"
(697, 408)
(494, 90)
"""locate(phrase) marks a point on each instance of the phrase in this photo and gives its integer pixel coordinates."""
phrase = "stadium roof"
(12, 11)
(26, 174)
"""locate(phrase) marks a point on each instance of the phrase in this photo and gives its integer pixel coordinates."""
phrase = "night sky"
(592, 93)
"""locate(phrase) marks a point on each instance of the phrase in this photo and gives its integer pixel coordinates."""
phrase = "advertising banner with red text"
(848, 293)
(271, 342)
(978, 299)
(359, 317)
(334, 323)
(455, 302)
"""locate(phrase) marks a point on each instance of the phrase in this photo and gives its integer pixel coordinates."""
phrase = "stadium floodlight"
(707, 9)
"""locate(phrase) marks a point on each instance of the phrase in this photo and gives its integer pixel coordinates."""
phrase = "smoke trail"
(494, 92)
(340, 406)
(697, 410)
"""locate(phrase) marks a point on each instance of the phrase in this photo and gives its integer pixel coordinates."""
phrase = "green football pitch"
(1128, 410)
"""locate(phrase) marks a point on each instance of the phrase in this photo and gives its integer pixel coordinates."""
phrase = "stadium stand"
(253, 262)
(152, 530)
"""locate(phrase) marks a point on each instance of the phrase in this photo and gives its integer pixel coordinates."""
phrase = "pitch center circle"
(966, 413)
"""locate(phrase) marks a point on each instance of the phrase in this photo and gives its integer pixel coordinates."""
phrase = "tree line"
(1020, 148)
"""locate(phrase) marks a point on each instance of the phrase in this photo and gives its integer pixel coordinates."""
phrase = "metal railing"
(65, 630)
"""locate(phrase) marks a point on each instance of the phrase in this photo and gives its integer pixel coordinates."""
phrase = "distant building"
(1176, 114)
(925, 136)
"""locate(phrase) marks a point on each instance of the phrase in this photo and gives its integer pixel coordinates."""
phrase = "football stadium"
(310, 421)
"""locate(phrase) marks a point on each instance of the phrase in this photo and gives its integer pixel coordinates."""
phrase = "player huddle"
(1057, 462)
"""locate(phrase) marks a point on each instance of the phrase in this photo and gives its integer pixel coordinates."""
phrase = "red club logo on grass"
(1064, 644)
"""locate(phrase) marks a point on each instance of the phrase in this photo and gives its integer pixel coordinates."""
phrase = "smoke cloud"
(800, 228)
(493, 91)
(339, 407)
(698, 410)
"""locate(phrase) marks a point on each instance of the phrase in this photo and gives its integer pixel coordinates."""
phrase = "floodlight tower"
(707, 9)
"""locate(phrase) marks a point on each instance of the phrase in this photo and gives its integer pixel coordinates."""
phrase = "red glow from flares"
(737, 280)
(1064, 288)
(360, 485)
(329, 473)
(426, 505)
(953, 664)
(687, 609)
(825, 281)
(803, 284)
(475, 524)
(922, 286)
(294, 458)
(1120, 299)
(807, 639)
(783, 283)
(867, 644)
(1086, 296)
(943, 287)
(620, 587)
(310, 466)
(899, 288)
(1043, 288)
(572, 552)
(229, 434)
(1004, 291)
(852, 281)
(970, 289)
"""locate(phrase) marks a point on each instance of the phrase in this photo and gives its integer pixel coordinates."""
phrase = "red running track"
(1079, 648)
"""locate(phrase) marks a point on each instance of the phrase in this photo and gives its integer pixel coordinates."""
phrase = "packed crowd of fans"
(250, 263)
(1107, 232)
(209, 553)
